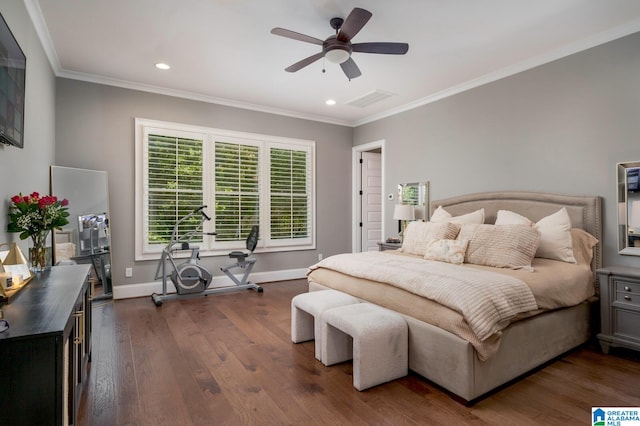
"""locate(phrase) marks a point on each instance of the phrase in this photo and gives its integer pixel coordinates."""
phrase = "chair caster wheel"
(260, 289)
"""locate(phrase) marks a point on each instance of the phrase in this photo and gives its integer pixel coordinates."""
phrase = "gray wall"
(560, 127)
(27, 170)
(95, 130)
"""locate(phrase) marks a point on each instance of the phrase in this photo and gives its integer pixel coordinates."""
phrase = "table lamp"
(403, 213)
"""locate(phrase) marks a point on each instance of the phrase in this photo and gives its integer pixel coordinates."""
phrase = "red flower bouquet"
(35, 216)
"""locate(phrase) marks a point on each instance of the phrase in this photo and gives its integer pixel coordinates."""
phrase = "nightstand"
(619, 307)
(382, 246)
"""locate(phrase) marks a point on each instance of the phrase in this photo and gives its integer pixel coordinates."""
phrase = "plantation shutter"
(290, 194)
(174, 185)
(237, 190)
(245, 179)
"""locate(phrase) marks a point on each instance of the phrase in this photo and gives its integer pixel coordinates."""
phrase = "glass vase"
(40, 255)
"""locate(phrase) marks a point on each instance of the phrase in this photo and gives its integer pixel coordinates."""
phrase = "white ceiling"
(222, 51)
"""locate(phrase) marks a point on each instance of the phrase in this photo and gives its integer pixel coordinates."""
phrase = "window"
(237, 189)
(244, 179)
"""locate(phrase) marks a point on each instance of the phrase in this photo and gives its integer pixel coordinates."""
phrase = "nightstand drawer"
(626, 324)
(627, 286)
(626, 297)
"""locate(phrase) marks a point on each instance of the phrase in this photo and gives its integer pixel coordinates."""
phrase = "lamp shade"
(404, 212)
(634, 214)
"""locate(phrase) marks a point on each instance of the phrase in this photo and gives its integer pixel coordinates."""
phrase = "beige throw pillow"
(555, 233)
(418, 235)
(502, 246)
(583, 245)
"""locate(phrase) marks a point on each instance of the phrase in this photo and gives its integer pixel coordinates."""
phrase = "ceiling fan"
(338, 48)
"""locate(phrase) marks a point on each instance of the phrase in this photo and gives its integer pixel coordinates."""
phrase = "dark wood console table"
(45, 352)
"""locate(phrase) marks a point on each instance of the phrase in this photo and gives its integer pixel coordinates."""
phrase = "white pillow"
(440, 215)
(507, 217)
(555, 237)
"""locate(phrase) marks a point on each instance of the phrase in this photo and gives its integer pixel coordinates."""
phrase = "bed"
(441, 347)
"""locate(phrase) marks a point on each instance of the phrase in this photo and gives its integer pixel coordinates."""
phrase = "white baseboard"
(147, 289)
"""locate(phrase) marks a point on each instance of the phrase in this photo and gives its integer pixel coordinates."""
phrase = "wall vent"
(370, 98)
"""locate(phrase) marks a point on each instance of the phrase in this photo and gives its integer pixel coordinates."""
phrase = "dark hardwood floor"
(228, 359)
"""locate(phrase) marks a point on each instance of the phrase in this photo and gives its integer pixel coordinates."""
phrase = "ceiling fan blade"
(296, 36)
(383, 48)
(303, 63)
(353, 24)
(350, 69)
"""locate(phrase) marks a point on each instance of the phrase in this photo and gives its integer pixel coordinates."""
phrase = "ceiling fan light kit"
(338, 48)
(337, 54)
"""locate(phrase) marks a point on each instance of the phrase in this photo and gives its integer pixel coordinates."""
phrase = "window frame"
(210, 247)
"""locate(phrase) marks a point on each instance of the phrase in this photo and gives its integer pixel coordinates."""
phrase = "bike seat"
(238, 254)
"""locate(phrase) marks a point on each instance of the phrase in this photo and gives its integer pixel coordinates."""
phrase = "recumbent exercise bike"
(190, 278)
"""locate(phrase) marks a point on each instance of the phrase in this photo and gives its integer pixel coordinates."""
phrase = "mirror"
(85, 239)
(629, 208)
(416, 194)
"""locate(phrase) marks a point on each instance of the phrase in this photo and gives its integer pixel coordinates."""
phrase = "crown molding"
(570, 49)
(35, 14)
(197, 97)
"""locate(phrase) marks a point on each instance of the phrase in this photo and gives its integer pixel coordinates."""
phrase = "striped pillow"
(418, 235)
(502, 246)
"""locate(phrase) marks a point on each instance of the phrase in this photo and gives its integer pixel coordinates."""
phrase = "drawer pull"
(627, 288)
(79, 327)
(627, 298)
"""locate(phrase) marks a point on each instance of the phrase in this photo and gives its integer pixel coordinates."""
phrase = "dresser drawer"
(627, 286)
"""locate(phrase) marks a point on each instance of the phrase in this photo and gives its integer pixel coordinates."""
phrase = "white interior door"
(371, 172)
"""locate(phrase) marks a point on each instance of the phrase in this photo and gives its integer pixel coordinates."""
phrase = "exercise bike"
(192, 279)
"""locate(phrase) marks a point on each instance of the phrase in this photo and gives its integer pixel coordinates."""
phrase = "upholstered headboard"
(585, 211)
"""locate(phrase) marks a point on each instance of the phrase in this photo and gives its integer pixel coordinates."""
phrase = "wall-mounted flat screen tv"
(12, 83)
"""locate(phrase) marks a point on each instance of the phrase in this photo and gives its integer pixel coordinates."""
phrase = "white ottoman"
(305, 314)
(376, 338)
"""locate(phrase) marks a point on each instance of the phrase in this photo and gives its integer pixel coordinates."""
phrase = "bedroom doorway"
(368, 205)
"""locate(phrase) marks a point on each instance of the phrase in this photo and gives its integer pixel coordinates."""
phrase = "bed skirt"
(452, 362)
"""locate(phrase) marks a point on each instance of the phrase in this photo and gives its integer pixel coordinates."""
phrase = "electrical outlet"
(128, 272)
(320, 256)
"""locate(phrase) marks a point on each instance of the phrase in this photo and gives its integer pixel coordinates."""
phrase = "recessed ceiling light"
(330, 102)
(162, 66)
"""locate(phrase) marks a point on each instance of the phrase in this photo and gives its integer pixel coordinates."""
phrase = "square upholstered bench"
(305, 314)
(376, 338)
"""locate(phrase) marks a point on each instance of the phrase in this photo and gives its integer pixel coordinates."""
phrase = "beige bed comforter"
(553, 284)
(486, 300)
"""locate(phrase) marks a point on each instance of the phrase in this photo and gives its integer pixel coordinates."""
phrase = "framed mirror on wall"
(629, 208)
(417, 195)
(86, 238)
